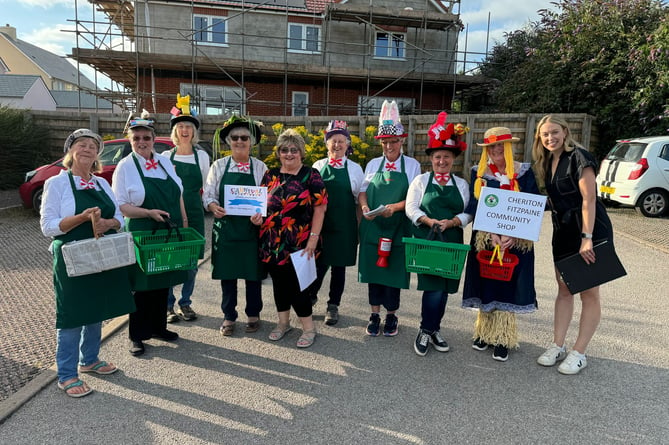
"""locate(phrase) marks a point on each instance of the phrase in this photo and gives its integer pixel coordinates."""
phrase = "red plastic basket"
(494, 270)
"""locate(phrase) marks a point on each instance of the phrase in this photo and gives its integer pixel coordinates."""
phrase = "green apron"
(340, 226)
(161, 194)
(235, 238)
(88, 298)
(191, 178)
(440, 202)
(385, 188)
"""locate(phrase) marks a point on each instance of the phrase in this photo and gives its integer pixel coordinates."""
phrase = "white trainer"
(573, 364)
(553, 354)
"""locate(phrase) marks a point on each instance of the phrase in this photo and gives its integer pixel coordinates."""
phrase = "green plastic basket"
(166, 251)
(445, 260)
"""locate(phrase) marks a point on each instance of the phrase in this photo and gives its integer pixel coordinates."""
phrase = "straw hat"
(495, 135)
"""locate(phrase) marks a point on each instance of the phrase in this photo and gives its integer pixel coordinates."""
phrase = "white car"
(635, 173)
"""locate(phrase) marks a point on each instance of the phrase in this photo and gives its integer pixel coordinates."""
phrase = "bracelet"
(314, 234)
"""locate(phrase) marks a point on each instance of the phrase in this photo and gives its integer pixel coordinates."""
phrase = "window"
(209, 29)
(371, 105)
(300, 103)
(215, 99)
(4, 69)
(389, 45)
(304, 38)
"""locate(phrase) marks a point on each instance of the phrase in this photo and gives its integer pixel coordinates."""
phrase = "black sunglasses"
(285, 150)
(235, 138)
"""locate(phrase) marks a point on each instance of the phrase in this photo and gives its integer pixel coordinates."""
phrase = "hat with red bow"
(442, 136)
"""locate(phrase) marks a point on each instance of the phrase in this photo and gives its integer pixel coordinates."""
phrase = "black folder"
(579, 276)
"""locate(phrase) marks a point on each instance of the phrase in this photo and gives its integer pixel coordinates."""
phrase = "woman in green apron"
(192, 166)
(383, 193)
(436, 202)
(73, 200)
(343, 179)
(148, 190)
(234, 253)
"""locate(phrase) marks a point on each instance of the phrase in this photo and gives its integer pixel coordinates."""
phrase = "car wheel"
(653, 203)
(37, 200)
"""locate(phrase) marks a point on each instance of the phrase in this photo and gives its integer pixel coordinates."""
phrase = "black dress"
(566, 201)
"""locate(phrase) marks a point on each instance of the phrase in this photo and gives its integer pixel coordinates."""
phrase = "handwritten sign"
(510, 213)
(245, 200)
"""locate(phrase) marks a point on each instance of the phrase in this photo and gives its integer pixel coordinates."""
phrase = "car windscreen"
(112, 153)
(626, 151)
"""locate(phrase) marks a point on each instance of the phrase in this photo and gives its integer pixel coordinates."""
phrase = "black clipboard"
(579, 276)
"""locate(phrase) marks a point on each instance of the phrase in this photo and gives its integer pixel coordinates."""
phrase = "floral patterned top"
(290, 208)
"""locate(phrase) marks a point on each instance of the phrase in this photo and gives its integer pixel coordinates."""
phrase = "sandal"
(279, 331)
(101, 367)
(76, 383)
(227, 329)
(252, 326)
(306, 339)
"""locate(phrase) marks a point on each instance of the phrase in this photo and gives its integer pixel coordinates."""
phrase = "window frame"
(303, 39)
(208, 30)
(201, 99)
(390, 36)
(294, 105)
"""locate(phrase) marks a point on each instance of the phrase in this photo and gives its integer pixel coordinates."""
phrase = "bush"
(23, 143)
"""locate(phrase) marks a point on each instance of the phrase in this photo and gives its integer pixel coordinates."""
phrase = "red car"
(112, 153)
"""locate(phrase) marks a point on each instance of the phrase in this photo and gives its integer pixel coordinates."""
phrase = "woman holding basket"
(78, 205)
(149, 191)
(435, 203)
(499, 301)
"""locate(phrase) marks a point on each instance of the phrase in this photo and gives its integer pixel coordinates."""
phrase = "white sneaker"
(553, 354)
(573, 364)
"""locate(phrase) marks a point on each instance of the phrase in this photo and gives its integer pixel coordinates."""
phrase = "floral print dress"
(290, 208)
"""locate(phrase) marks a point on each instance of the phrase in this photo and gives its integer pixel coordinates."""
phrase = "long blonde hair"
(483, 166)
(541, 153)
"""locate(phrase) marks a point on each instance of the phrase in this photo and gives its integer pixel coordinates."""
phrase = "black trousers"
(150, 317)
(287, 292)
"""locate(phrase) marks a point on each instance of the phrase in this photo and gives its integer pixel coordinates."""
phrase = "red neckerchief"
(512, 181)
(390, 166)
(336, 162)
(87, 185)
(442, 178)
(243, 167)
(151, 163)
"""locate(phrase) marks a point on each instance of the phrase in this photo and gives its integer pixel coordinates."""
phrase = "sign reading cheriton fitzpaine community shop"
(510, 213)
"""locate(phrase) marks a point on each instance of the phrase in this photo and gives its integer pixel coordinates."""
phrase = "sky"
(45, 23)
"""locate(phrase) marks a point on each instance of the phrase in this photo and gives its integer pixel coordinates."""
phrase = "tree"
(590, 56)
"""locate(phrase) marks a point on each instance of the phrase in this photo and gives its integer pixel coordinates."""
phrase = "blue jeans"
(186, 291)
(432, 309)
(77, 346)
(229, 301)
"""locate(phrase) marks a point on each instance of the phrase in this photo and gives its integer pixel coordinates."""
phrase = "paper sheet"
(377, 211)
(305, 268)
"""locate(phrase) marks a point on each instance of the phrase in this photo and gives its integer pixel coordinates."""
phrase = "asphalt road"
(349, 388)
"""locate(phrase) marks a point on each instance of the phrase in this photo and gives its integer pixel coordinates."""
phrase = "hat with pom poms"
(390, 125)
(446, 137)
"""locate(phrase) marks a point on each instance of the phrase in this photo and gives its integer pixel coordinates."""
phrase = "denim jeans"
(186, 291)
(76, 346)
(432, 309)
(229, 301)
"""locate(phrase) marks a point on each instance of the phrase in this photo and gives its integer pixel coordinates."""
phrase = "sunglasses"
(286, 150)
(244, 138)
(141, 138)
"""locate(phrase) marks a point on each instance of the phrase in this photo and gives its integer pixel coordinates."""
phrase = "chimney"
(9, 30)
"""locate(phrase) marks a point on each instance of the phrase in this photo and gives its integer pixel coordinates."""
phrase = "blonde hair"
(291, 136)
(483, 166)
(175, 136)
(540, 153)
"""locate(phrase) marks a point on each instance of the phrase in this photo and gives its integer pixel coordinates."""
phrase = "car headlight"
(30, 174)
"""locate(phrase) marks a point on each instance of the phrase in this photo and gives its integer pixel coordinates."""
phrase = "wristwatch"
(586, 235)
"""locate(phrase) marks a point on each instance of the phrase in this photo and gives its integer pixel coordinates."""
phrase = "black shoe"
(166, 335)
(187, 313)
(500, 353)
(332, 315)
(438, 342)
(422, 342)
(374, 325)
(390, 326)
(136, 348)
(479, 345)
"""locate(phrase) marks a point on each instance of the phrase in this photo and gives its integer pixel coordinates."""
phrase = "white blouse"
(58, 201)
(127, 183)
(202, 160)
(355, 173)
(417, 191)
(212, 185)
(411, 166)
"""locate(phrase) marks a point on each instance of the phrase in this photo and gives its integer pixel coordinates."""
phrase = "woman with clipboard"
(578, 218)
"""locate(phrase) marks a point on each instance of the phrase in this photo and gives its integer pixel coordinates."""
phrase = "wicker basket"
(167, 250)
(438, 258)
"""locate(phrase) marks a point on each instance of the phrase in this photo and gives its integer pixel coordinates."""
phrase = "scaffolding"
(120, 48)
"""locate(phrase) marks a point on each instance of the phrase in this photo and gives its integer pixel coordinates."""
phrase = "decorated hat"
(240, 121)
(144, 121)
(390, 125)
(337, 127)
(446, 137)
(181, 112)
(495, 135)
(82, 133)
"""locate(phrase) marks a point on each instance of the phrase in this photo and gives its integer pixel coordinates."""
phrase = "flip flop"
(75, 384)
(279, 331)
(97, 368)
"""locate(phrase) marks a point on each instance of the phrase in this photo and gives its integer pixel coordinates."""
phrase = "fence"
(522, 125)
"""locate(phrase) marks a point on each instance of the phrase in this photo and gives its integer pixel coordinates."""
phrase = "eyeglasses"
(286, 150)
(235, 138)
(141, 138)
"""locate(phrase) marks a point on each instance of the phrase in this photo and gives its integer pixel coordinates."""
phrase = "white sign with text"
(510, 213)
(245, 200)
